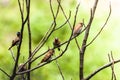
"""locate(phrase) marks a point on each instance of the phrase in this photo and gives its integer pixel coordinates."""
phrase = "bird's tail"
(40, 62)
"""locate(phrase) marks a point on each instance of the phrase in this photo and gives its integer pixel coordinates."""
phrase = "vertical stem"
(18, 55)
(83, 49)
(29, 35)
(29, 64)
(81, 76)
(81, 67)
(19, 47)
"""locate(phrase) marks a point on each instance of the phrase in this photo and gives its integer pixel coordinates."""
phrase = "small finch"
(22, 68)
(47, 56)
(77, 29)
(16, 41)
(56, 43)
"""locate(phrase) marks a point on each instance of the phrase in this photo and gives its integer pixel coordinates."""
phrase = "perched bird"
(20, 66)
(16, 41)
(77, 29)
(47, 56)
(56, 43)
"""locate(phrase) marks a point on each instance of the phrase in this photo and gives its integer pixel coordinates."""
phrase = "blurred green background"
(41, 19)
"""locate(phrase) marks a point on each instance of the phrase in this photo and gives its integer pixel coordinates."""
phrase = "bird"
(16, 41)
(56, 43)
(77, 29)
(47, 56)
(21, 67)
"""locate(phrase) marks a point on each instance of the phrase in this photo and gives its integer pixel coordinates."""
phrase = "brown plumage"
(77, 29)
(56, 43)
(47, 56)
(16, 41)
(22, 68)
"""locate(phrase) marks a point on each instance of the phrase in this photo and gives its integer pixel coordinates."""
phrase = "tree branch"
(64, 22)
(5, 72)
(101, 68)
(82, 51)
(60, 70)
(101, 28)
(12, 54)
(111, 59)
(29, 36)
(50, 30)
(19, 47)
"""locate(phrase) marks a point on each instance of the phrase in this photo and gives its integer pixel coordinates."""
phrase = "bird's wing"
(46, 58)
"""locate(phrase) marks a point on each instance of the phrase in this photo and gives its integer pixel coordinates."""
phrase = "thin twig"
(59, 69)
(64, 14)
(111, 66)
(101, 28)
(64, 22)
(5, 72)
(111, 59)
(75, 17)
(51, 8)
(78, 46)
(23, 6)
(41, 43)
(49, 32)
(19, 47)
(21, 11)
(101, 68)
(12, 55)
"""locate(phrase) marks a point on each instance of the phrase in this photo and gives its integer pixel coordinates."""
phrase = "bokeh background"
(41, 19)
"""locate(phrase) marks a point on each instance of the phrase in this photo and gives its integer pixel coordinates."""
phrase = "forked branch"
(101, 28)
(83, 48)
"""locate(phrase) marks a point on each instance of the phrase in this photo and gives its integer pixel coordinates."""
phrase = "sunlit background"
(41, 19)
